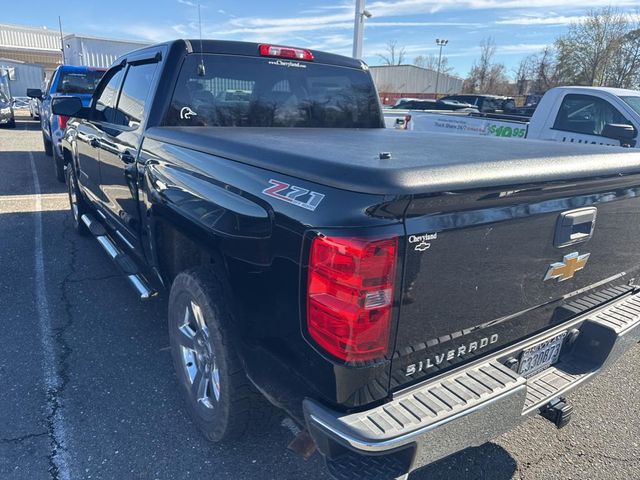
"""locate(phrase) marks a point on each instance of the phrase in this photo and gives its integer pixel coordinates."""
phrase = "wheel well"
(176, 252)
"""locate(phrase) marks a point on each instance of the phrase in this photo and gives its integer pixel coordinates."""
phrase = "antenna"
(61, 40)
(201, 69)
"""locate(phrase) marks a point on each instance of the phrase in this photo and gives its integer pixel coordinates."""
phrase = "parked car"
(533, 99)
(34, 108)
(577, 115)
(401, 296)
(523, 111)
(486, 103)
(7, 116)
(405, 99)
(427, 104)
(66, 80)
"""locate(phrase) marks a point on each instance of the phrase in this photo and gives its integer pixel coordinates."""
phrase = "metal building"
(94, 51)
(398, 81)
(21, 75)
(34, 45)
(44, 47)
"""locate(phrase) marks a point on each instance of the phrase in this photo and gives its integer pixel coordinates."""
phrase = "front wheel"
(219, 397)
(76, 202)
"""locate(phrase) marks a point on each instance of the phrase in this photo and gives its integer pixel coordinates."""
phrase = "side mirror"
(69, 107)
(34, 93)
(626, 134)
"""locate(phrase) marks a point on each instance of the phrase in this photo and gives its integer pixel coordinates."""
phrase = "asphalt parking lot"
(87, 388)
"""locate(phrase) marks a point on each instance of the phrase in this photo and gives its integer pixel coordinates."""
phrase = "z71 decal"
(292, 194)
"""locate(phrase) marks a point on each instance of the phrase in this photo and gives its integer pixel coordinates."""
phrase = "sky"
(518, 27)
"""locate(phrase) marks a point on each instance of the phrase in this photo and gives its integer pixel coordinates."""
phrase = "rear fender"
(212, 216)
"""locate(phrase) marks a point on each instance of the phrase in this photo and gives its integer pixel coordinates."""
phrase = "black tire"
(48, 146)
(238, 405)
(58, 165)
(12, 124)
(76, 200)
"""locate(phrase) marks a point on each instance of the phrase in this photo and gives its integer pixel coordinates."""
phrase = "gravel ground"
(88, 390)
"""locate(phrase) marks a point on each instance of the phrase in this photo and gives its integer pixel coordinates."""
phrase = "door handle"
(126, 157)
(575, 226)
(94, 142)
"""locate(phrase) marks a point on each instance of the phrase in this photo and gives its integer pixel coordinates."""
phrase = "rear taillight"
(350, 295)
(285, 52)
(62, 121)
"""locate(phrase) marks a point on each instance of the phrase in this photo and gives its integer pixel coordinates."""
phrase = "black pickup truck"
(402, 297)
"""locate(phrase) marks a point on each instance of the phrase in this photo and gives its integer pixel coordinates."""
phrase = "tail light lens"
(350, 295)
(62, 121)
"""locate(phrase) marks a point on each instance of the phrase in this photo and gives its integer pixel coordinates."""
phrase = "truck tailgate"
(477, 261)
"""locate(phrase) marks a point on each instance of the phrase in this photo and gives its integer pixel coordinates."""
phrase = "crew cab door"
(119, 143)
(90, 131)
(582, 118)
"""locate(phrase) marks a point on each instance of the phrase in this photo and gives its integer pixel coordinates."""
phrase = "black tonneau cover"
(421, 162)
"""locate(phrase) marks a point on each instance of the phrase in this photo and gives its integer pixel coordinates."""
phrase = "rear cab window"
(236, 91)
(70, 82)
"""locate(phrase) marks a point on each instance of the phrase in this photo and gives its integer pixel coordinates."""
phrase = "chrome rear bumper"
(470, 405)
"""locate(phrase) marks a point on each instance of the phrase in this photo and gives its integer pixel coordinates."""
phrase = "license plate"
(541, 356)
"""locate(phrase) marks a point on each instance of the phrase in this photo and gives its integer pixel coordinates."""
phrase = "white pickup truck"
(587, 115)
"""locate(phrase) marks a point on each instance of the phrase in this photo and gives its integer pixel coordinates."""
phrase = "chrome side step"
(121, 259)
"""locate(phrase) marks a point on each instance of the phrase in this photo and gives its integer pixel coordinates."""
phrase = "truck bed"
(421, 162)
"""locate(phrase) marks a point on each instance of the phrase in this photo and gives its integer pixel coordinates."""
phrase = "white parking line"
(58, 431)
(50, 202)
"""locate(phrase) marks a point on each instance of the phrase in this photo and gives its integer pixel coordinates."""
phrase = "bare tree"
(485, 75)
(394, 54)
(624, 70)
(589, 49)
(431, 62)
(524, 74)
(546, 71)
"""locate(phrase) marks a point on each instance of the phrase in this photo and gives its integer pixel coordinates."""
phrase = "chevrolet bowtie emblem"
(567, 268)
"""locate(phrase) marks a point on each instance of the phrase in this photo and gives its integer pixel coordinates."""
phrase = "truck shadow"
(489, 461)
(15, 165)
(25, 122)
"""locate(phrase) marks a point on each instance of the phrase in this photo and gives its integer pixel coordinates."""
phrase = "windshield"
(3, 97)
(79, 82)
(239, 91)
(633, 102)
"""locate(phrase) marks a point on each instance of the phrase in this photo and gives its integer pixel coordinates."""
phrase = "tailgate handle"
(575, 226)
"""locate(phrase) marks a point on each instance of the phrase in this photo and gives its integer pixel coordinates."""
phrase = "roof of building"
(407, 65)
(117, 40)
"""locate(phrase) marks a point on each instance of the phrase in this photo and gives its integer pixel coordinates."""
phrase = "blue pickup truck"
(66, 80)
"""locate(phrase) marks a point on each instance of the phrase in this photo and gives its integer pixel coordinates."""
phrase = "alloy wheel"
(198, 358)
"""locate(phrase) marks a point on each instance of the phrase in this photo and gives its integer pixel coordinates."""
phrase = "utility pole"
(358, 28)
(61, 40)
(441, 43)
